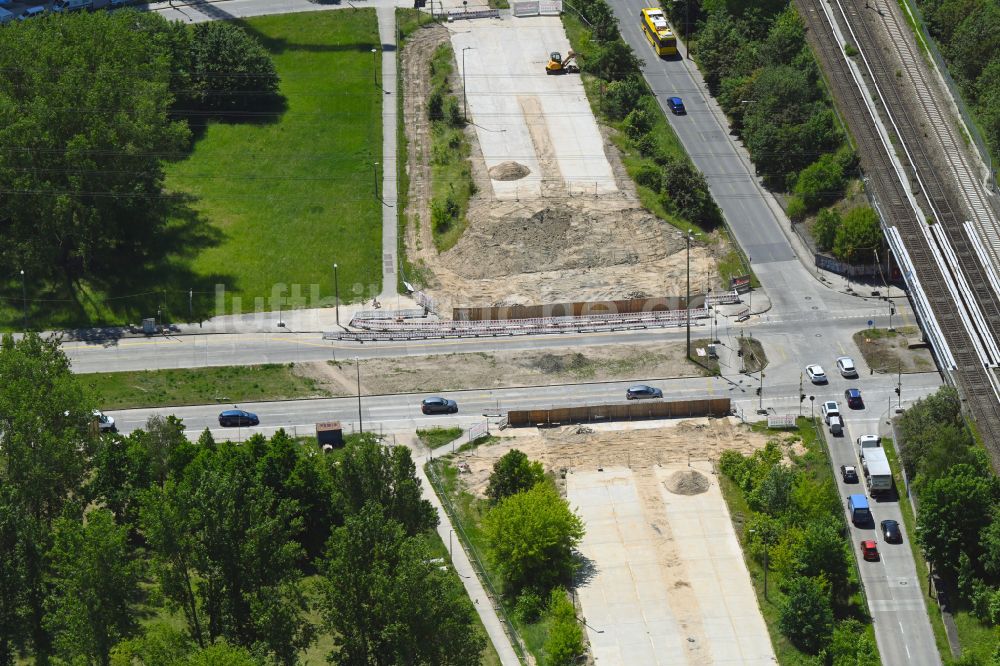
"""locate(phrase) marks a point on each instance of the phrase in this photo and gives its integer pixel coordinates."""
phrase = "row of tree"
(795, 530)
(967, 31)
(91, 104)
(626, 101)
(241, 541)
(958, 501)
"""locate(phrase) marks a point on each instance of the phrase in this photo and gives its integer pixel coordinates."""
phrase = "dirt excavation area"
(449, 372)
(536, 232)
(663, 580)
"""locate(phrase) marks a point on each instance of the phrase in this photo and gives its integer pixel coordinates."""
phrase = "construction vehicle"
(557, 65)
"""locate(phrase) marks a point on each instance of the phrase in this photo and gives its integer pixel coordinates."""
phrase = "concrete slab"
(651, 601)
(523, 115)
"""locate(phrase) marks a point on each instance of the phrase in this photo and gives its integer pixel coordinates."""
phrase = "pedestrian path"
(388, 193)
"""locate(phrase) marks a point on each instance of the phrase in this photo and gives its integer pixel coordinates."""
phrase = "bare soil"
(501, 369)
(561, 247)
(639, 447)
(889, 352)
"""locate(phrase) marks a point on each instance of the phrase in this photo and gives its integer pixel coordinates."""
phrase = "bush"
(825, 229)
(685, 192)
(796, 209)
(435, 105)
(453, 112)
(820, 182)
(649, 175)
(529, 606)
(637, 123)
(620, 97)
(565, 640)
(858, 237)
(806, 616)
(613, 61)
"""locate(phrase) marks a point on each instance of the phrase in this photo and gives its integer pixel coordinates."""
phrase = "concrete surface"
(524, 115)
(641, 606)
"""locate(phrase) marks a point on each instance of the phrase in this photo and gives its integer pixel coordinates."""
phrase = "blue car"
(676, 106)
(853, 397)
(237, 417)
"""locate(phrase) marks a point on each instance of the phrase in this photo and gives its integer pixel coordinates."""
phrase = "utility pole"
(24, 301)
(465, 98)
(336, 293)
(375, 65)
(802, 396)
(892, 311)
(357, 364)
(687, 302)
(375, 177)
(899, 385)
(760, 392)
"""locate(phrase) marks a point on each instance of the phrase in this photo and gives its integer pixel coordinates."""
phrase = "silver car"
(845, 364)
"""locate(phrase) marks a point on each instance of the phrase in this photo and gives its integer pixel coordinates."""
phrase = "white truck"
(877, 471)
(868, 442)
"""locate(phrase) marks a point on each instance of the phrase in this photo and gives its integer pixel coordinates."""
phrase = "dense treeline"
(795, 529)
(626, 102)
(240, 542)
(958, 501)
(90, 106)
(969, 34)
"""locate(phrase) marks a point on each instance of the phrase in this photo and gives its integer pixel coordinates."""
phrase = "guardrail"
(478, 13)
(414, 313)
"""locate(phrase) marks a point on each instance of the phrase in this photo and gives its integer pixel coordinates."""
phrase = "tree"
(513, 473)
(975, 42)
(532, 535)
(821, 553)
(564, 642)
(825, 228)
(859, 236)
(386, 475)
(80, 158)
(685, 192)
(719, 42)
(951, 511)
(231, 71)
(620, 97)
(46, 437)
(851, 646)
(806, 616)
(786, 38)
(773, 495)
(387, 602)
(821, 182)
(919, 425)
(613, 61)
(95, 581)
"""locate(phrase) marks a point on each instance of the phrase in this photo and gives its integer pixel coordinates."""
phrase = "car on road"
(676, 106)
(237, 417)
(836, 426)
(105, 423)
(437, 405)
(891, 531)
(641, 391)
(28, 13)
(846, 367)
(828, 409)
(869, 550)
(849, 473)
(816, 374)
(853, 398)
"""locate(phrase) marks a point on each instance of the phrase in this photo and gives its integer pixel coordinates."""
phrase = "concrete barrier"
(653, 409)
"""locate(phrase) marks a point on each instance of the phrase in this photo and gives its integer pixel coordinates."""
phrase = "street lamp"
(357, 364)
(375, 65)
(336, 293)
(465, 99)
(375, 177)
(24, 301)
(687, 302)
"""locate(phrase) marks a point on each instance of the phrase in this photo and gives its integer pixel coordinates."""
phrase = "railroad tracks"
(967, 293)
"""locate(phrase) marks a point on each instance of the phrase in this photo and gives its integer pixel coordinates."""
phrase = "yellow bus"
(659, 34)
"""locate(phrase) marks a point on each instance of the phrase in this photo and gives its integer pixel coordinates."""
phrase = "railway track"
(970, 373)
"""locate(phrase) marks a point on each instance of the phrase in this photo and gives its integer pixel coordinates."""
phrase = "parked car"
(869, 550)
(816, 374)
(676, 106)
(828, 409)
(845, 364)
(105, 423)
(30, 12)
(237, 417)
(849, 473)
(641, 391)
(853, 398)
(438, 405)
(891, 531)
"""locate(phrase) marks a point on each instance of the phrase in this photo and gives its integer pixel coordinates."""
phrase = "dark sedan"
(676, 106)
(237, 417)
(641, 391)
(891, 531)
(853, 398)
(438, 406)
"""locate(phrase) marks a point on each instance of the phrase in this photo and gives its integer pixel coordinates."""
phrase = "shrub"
(565, 640)
(858, 236)
(435, 105)
(649, 175)
(529, 606)
(637, 123)
(620, 97)
(820, 182)
(806, 616)
(796, 209)
(613, 61)
(825, 229)
(453, 112)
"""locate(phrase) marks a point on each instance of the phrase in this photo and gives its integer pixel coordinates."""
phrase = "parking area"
(525, 117)
(666, 582)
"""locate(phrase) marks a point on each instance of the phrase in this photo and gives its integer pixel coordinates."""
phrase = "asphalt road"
(902, 628)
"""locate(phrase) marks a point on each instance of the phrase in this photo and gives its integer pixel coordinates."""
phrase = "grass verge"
(198, 386)
(434, 438)
(273, 189)
(451, 171)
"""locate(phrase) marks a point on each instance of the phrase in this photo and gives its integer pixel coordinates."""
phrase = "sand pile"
(687, 482)
(509, 171)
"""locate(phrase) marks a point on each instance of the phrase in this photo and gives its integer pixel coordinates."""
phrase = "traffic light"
(802, 396)
(896, 390)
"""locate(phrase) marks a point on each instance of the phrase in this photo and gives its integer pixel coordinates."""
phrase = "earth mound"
(687, 482)
(509, 171)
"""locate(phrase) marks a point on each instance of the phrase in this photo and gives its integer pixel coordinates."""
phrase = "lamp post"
(687, 302)
(24, 301)
(357, 364)
(375, 65)
(760, 392)
(465, 99)
(336, 293)
(375, 177)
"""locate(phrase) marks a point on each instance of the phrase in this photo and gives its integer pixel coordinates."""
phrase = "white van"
(71, 5)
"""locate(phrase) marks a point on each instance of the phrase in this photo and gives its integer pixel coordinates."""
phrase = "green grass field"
(197, 386)
(293, 194)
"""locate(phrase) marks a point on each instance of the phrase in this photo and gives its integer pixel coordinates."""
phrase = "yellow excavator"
(558, 65)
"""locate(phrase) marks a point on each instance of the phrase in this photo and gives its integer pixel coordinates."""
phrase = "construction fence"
(537, 8)
(654, 409)
(577, 309)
